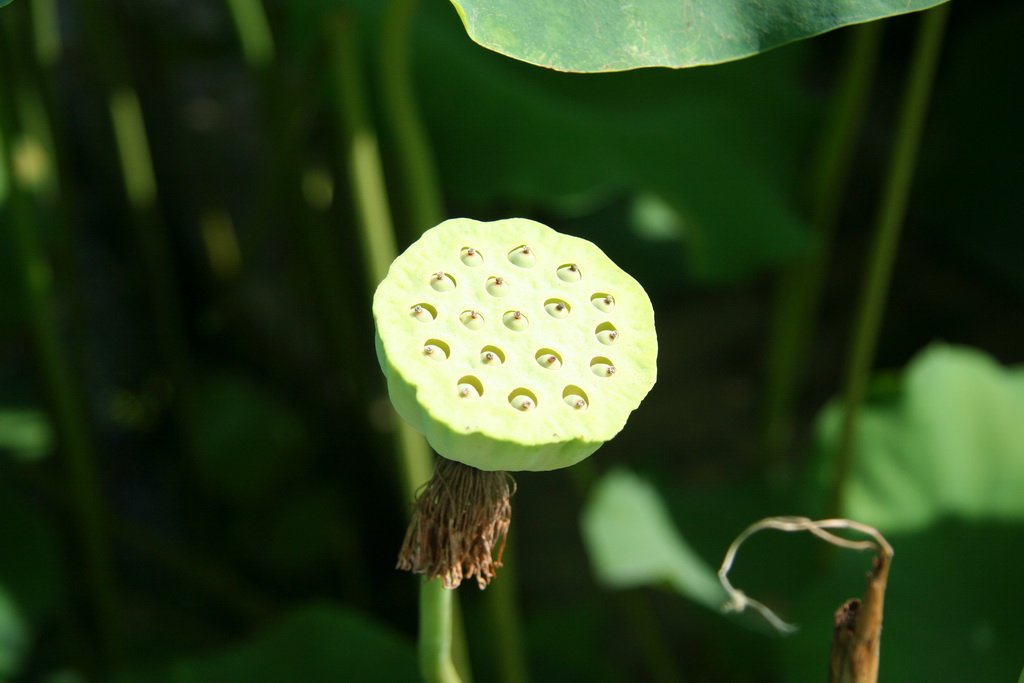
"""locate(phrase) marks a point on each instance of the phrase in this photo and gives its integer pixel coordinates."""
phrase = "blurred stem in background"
(798, 294)
(438, 654)
(140, 187)
(24, 161)
(323, 258)
(418, 177)
(885, 239)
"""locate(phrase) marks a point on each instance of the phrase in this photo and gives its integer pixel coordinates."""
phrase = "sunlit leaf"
(632, 541)
(952, 445)
(583, 35)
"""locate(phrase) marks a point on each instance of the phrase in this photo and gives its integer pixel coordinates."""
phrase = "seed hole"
(470, 387)
(607, 334)
(473, 320)
(569, 272)
(523, 400)
(492, 355)
(515, 321)
(471, 257)
(549, 359)
(436, 349)
(575, 397)
(602, 367)
(523, 256)
(557, 308)
(442, 282)
(603, 302)
(425, 313)
(497, 286)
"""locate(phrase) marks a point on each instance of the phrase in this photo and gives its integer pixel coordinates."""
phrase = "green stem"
(799, 290)
(416, 163)
(888, 224)
(377, 239)
(436, 633)
(67, 402)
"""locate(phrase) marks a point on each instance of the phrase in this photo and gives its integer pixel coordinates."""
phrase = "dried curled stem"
(460, 517)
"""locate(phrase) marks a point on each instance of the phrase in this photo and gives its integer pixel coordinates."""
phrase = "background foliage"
(197, 470)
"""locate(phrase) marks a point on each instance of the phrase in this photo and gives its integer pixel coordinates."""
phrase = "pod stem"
(459, 520)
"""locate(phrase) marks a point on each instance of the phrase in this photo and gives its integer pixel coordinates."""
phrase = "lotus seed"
(522, 402)
(442, 282)
(548, 359)
(491, 355)
(557, 308)
(607, 334)
(497, 286)
(570, 272)
(471, 257)
(603, 302)
(422, 313)
(472, 319)
(515, 321)
(602, 367)
(468, 391)
(435, 352)
(523, 257)
(575, 401)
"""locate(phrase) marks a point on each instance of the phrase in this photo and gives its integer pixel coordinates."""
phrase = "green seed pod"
(511, 346)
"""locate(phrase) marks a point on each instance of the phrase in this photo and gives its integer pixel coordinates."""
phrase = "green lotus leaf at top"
(602, 35)
(512, 346)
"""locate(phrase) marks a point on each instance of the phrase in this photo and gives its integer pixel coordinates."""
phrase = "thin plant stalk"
(377, 238)
(436, 630)
(139, 181)
(416, 168)
(253, 32)
(885, 240)
(65, 394)
(798, 295)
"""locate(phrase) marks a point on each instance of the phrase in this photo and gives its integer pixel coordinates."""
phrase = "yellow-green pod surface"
(511, 346)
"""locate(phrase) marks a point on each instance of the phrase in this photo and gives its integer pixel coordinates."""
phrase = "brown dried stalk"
(459, 519)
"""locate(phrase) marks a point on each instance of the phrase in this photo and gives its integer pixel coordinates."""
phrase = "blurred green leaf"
(13, 635)
(249, 442)
(313, 644)
(952, 445)
(581, 35)
(30, 576)
(632, 541)
(26, 434)
(718, 150)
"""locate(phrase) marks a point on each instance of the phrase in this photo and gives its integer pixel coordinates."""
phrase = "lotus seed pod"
(511, 346)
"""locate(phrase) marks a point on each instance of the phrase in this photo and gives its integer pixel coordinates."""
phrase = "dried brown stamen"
(459, 519)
